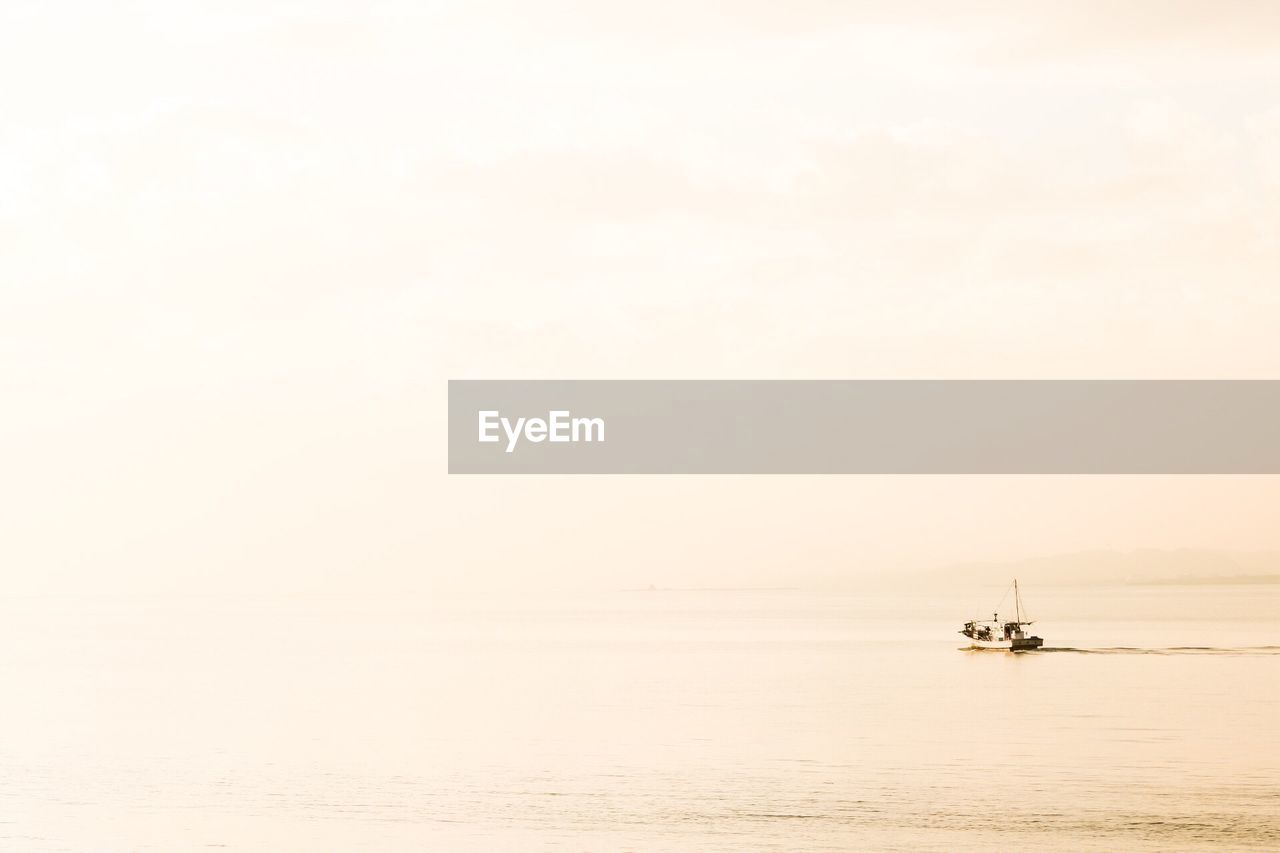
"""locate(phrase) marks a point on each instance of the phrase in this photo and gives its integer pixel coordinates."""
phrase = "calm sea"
(664, 721)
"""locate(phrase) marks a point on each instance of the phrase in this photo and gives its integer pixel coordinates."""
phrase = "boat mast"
(1017, 601)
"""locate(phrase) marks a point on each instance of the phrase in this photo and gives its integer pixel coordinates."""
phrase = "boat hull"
(1016, 644)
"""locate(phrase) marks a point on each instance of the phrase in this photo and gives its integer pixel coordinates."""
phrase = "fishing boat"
(1008, 635)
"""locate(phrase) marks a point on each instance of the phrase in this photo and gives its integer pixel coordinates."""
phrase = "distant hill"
(1143, 566)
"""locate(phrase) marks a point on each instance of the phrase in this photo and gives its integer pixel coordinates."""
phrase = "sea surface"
(647, 720)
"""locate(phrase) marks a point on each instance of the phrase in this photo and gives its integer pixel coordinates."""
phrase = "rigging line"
(1023, 614)
(1003, 597)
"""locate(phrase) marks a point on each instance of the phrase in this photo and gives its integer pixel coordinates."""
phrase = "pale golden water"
(643, 721)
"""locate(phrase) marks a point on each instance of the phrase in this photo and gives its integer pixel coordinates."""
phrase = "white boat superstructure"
(1007, 635)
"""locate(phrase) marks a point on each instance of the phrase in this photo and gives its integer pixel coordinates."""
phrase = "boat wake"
(1171, 650)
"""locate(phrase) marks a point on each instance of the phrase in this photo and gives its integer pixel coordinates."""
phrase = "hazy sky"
(245, 244)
